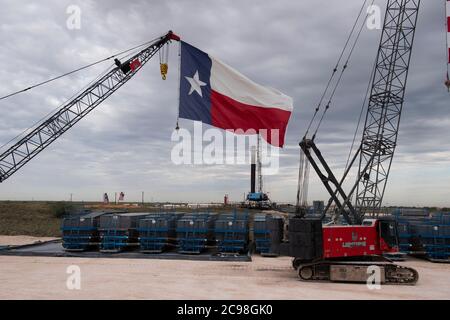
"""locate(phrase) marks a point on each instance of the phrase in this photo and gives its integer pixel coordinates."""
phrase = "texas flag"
(448, 28)
(214, 93)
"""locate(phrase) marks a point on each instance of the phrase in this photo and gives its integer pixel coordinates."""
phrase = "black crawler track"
(393, 273)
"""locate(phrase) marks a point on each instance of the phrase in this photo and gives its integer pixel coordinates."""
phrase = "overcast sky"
(124, 145)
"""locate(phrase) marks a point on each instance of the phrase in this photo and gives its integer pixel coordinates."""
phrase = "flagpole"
(179, 84)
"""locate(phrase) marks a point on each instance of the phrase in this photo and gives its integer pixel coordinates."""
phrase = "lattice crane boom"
(76, 109)
(379, 138)
(382, 122)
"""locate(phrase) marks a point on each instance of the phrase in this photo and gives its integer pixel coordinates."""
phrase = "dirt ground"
(263, 278)
(22, 240)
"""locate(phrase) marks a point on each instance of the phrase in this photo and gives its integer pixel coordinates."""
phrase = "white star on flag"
(196, 84)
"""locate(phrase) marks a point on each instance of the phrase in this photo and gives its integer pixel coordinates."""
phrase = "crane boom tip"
(173, 36)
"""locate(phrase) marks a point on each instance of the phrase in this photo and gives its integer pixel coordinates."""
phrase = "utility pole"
(142, 198)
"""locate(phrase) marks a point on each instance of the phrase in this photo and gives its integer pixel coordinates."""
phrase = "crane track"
(393, 274)
(401, 275)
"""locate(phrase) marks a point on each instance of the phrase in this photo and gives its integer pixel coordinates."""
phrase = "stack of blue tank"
(119, 231)
(427, 234)
(404, 235)
(195, 231)
(231, 232)
(157, 232)
(261, 233)
(434, 236)
(80, 232)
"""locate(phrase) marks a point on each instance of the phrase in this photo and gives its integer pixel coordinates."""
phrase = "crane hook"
(163, 60)
(164, 68)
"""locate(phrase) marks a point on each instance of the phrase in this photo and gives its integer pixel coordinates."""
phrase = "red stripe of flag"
(227, 113)
(448, 23)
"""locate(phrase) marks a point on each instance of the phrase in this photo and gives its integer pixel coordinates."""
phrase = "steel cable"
(344, 68)
(119, 54)
(335, 69)
(76, 70)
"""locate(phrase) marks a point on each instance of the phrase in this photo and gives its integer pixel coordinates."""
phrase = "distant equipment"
(256, 198)
(105, 198)
(225, 200)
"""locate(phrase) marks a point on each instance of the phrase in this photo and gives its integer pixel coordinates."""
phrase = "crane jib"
(76, 109)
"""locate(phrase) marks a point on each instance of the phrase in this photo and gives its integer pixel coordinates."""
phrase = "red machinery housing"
(344, 253)
(374, 237)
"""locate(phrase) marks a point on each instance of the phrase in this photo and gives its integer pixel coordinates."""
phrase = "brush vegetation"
(40, 219)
